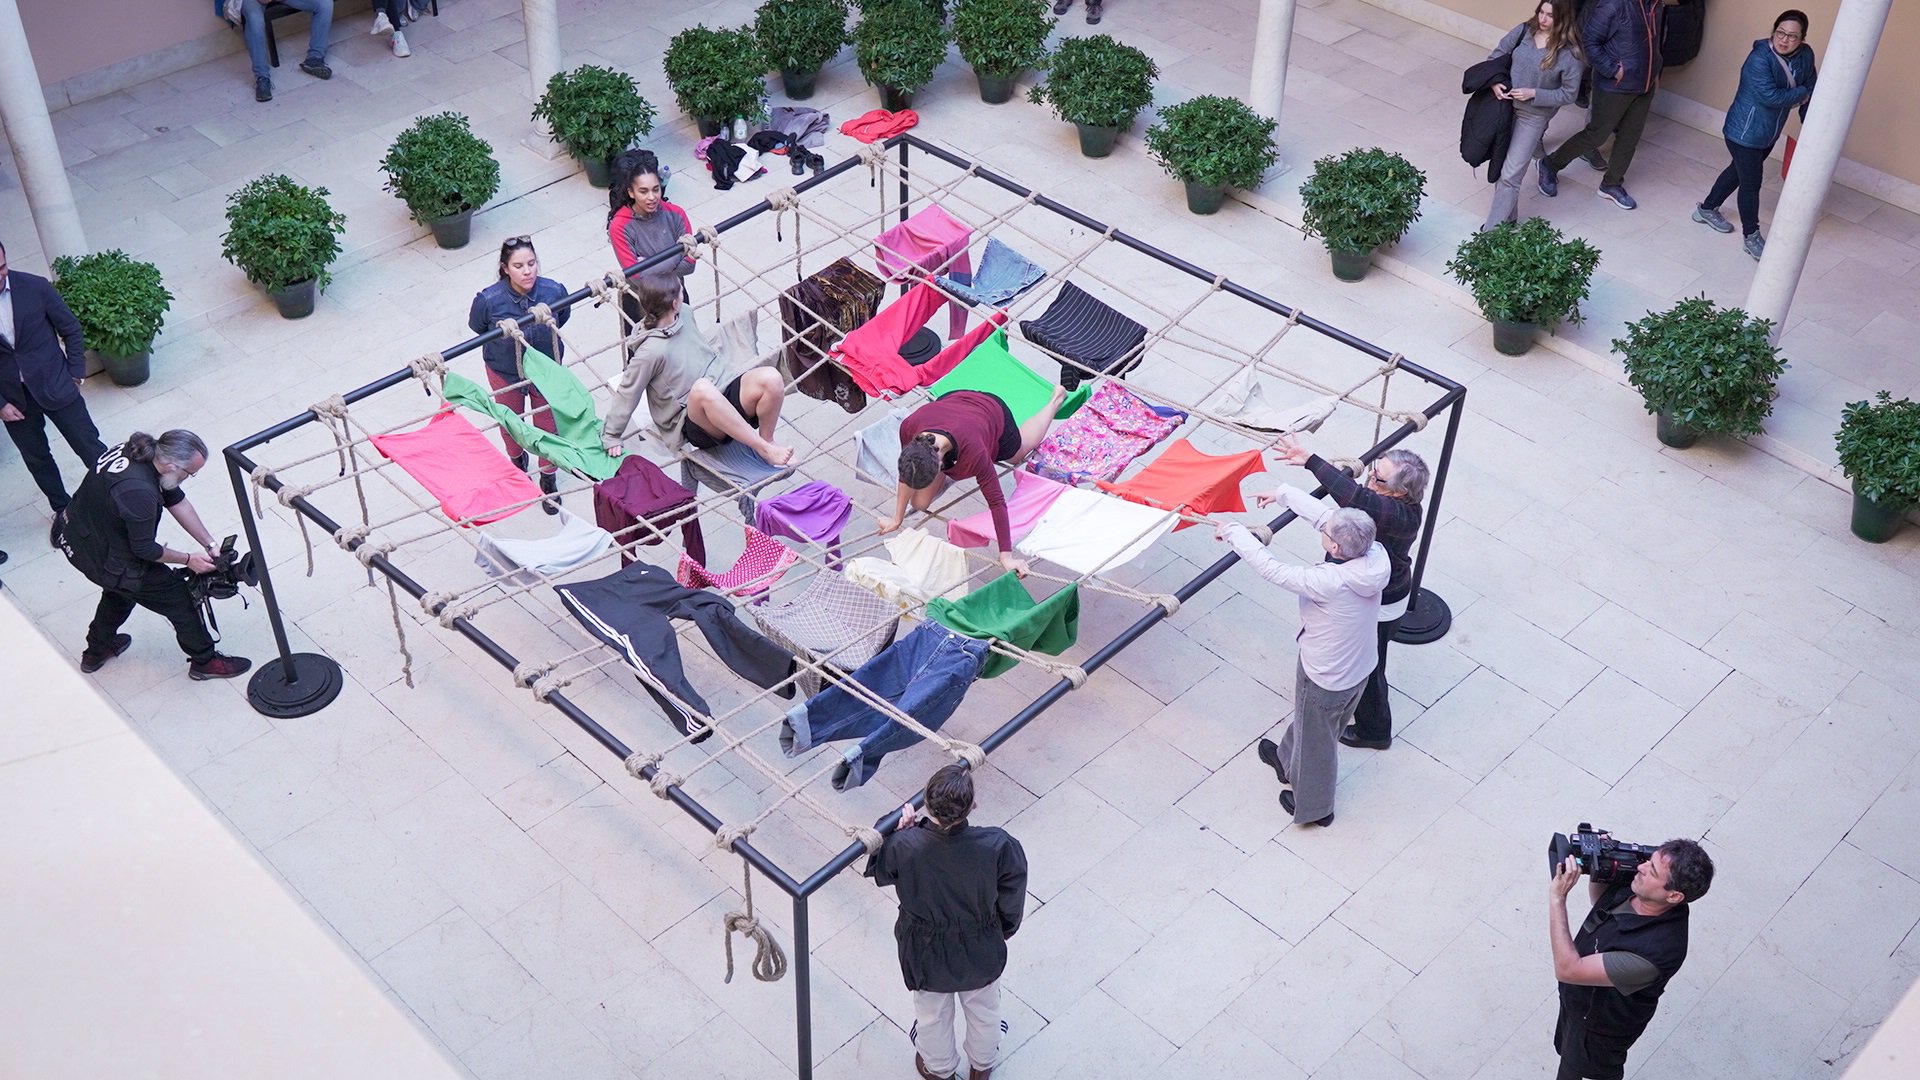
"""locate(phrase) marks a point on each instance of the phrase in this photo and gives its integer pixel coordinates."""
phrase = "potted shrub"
(443, 172)
(120, 304)
(595, 113)
(898, 45)
(283, 236)
(1525, 275)
(1212, 143)
(716, 75)
(1001, 39)
(1359, 201)
(1879, 444)
(1702, 369)
(1098, 85)
(799, 37)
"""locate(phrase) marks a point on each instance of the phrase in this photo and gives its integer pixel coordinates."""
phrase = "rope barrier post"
(1428, 617)
(906, 197)
(802, 987)
(292, 684)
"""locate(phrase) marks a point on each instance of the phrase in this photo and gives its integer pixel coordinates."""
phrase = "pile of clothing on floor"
(740, 153)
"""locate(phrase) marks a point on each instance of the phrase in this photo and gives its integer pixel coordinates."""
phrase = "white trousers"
(933, 1035)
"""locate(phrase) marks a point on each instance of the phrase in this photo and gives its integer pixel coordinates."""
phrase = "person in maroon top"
(967, 433)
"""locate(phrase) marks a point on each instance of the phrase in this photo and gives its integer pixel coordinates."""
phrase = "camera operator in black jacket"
(110, 536)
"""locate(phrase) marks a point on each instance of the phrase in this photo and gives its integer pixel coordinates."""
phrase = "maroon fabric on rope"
(639, 492)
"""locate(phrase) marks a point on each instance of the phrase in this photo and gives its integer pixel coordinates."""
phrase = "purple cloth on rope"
(815, 511)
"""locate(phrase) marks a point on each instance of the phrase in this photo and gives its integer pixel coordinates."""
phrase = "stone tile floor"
(1665, 643)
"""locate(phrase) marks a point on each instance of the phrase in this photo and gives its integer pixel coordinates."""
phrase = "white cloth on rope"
(524, 562)
(920, 567)
(1088, 532)
(1243, 399)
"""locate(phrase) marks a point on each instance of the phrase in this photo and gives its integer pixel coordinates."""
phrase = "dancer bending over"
(967, 433)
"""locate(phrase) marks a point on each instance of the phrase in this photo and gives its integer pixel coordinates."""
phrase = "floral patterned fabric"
(1104, 437)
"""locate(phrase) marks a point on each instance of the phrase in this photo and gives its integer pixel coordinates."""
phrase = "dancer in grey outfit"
(1546, 75)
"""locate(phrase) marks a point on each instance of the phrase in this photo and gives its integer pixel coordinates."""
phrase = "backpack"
(1682, 30)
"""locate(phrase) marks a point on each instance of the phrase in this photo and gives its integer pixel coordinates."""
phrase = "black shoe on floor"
(1351, 737)
(1093, 12)
(1060, 6)
(218, 666)
(1269, 752)
(91, 661)
(1286, 803)
(263, 89)
(317, 69)
(550, 484)
(53, 530)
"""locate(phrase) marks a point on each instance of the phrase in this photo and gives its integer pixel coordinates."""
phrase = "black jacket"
(47, 352)
(110, 535)
(962, 892)
(1660, 939)
(1487, 127)
(1396, 522)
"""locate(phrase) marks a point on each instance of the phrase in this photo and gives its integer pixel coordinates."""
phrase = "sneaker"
(1093, 12)
(1596, 159)
(400, 48)
(263, 89)
(92, 660)
(316, 68)
(1549, 179)
(218, 666)
(1618, 194)
(1060, 6)
(381, 24)
(1756, 244)
(1712, 219)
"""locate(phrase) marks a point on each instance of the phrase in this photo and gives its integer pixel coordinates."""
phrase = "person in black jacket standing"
(1622, 42)
(1613, 971)
(42, 360)
(962, 890)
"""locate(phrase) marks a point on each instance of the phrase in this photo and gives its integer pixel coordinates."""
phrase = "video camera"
(231, 569)
(1599, 856)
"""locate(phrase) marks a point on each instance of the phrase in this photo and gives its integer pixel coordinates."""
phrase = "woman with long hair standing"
(1546, 75)
(1777, 76)
(519, 287)
(641, 223)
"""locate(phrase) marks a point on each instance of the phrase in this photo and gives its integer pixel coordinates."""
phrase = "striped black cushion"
(1084, 330)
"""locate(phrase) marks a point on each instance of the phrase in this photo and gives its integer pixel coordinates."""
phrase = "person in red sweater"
(967, 433)
(641, 223)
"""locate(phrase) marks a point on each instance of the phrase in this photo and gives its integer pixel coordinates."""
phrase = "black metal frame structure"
(240, 465)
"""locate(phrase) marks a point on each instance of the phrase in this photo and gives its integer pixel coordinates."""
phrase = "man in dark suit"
(42, 361)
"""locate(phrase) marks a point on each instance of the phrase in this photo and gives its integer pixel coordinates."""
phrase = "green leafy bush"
(1362, 199)
(1096, 81)
(1002, 38)
(119, 301)
(899, 44)
(595, 112)
(801, 35)
(280, 233)
(1879, 445)
(1709, 368)
(1526, 272)
(439, 167)
(1213, 140)
(716, 74)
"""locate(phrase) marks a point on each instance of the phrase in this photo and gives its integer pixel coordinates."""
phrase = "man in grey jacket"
(1339, 606)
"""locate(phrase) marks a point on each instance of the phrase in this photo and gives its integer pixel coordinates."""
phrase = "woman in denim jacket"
(519, 288)
(1778, 75)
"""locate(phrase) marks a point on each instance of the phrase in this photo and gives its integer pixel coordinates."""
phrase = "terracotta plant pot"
(1351, 265)
(1515, 338)
(1097, 141)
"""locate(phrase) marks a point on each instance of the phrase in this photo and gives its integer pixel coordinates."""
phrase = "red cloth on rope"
(1191, 482)
(879, 124)
(764, 562)
(473, 480)
(871, 351)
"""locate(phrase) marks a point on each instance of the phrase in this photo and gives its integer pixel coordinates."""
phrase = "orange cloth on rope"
(1191, 482)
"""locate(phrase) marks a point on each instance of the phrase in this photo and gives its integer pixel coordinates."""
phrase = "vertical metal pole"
(279, 688)
(906, 195)
(802, 987)
(252, 530)
(1434, 618)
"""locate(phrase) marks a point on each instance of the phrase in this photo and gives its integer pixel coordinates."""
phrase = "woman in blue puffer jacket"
(1777, 76)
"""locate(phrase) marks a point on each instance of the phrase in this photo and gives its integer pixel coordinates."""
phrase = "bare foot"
(780, 456)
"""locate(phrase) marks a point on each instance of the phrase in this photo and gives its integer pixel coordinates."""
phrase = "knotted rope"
(769, 962)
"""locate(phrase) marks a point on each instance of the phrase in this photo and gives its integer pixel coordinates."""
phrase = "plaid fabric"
(1104, 437)
(814, 315)
(834, 621)
(763, 562)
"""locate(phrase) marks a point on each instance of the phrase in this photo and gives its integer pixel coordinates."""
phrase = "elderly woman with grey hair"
(1339, 607)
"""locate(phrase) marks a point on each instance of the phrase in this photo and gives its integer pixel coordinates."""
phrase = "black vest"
(95, 538)
(1661, 939)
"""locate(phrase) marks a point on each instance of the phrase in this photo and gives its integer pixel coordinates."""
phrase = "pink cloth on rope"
(1191, 482)
(1100, 440)
(928, 243)
(764, 562)
(1031, 497)
(473, 480)
(871, 351)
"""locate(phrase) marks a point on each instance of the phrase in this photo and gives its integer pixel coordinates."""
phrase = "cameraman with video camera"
(109, 536)
(1633, 941)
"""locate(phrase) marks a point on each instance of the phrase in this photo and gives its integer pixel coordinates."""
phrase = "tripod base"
(1427, 620)
(318, 681)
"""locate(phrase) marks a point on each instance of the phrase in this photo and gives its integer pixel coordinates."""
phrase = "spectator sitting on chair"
(251, 17)
(42, 360)
(388, 17)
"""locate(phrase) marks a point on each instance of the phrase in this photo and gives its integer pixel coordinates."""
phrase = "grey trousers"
(933, 1023)
(1310, 748)
(1529, 128)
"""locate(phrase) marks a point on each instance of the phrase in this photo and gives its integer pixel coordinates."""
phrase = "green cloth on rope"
(1003, 610)
(575, 445)
(991, 368)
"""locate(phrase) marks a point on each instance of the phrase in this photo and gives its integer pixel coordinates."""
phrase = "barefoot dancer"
(675, 366)
(966, 433)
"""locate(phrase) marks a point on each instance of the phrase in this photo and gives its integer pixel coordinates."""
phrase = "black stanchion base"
(318, 684)
(1427, 620)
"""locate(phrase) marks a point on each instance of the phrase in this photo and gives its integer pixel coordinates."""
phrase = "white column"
(23, 106)
(542, 19)
(1272, 35)
(1843, 74)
